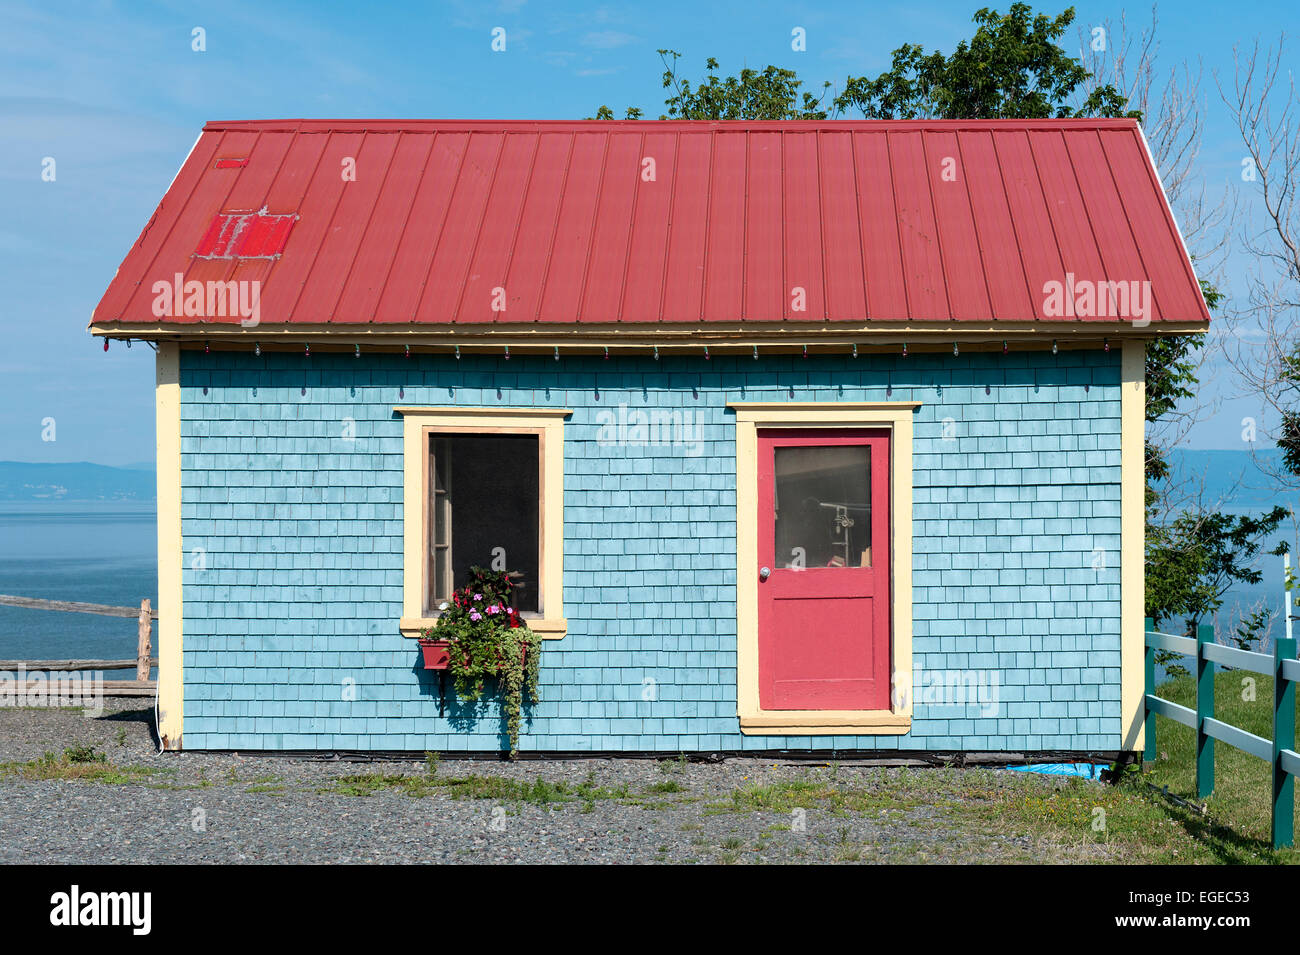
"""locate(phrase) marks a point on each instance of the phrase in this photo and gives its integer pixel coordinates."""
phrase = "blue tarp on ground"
(1084, 770)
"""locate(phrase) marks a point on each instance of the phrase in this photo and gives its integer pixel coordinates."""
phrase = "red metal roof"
(880, 221)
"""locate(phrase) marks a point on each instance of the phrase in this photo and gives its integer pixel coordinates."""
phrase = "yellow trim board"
(1132, 560)
(548, 425)
(446, 413)
(750, 417)
(414, 627)
(827, 723)
(167, 407)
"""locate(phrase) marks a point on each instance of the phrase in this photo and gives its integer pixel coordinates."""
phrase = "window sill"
(825, 723)
(413, 627)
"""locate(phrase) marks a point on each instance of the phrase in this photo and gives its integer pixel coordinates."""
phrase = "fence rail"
(71, 665)
(1240, 659)
(1171, 710)
(1279, 751)
(73, 606)
(1167, 641)
(143, 663)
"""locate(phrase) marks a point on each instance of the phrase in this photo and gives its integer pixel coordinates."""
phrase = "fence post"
(1283, 738)
(144, 650)
(1148, 689)
(1204, 711)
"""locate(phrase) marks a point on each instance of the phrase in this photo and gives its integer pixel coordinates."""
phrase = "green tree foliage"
(1200, 556)
(770, 93)
(1170, 378)
(1251, 629)
(1193, 559)
(1012, 68)
(1289, 431)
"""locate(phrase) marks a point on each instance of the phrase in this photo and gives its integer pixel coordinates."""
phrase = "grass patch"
(1114, 823)
(1132, 823)
(81, 754)
(80, 763)
(786, 796)
(1014, 817)
(539, 792)
(667, 786)
(1237, 825)
(46, 709)
(675, 765)
(268, 784)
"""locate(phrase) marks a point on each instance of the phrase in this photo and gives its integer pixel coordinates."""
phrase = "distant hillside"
(21, 481)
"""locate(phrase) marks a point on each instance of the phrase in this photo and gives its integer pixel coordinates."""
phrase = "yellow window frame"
(418, 423)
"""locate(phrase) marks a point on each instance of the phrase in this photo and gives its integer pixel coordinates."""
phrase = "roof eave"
(614, 334)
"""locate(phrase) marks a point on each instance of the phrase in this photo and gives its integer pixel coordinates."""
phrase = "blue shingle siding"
(293, 549)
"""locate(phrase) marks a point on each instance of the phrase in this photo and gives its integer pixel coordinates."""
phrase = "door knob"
(764, 573)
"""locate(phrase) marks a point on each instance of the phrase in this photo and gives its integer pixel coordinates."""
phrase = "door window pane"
(822, 499)
(484, 505)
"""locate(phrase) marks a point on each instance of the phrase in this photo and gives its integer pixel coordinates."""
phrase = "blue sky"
(115, 94)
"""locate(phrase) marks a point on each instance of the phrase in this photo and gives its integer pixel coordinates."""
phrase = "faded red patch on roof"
(245, 235)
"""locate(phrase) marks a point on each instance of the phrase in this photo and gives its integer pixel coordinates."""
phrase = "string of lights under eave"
(257, 349)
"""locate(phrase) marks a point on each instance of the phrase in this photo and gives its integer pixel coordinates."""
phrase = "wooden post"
(1149, 689)
(1283, 738)
(1204, 711)
(145, 649)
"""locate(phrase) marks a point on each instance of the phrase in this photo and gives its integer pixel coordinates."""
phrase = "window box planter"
(436, 655)
(479, 639)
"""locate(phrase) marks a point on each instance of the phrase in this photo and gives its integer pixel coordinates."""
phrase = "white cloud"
(607, 39)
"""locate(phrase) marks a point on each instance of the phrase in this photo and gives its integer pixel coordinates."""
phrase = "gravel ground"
(227, 808)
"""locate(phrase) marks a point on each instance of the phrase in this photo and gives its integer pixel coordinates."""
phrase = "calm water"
(96, 552)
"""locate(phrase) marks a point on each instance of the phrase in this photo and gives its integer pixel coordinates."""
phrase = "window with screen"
(484, 511)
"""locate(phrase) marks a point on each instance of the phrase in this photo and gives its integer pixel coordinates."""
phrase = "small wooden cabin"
(803, 436)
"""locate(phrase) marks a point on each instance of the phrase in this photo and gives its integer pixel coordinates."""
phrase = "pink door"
(823, 551)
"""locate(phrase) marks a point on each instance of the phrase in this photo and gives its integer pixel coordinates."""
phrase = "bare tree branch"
(1265, 343)
(1172, 108)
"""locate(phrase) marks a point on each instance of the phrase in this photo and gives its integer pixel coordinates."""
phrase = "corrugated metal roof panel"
(245, 235)
(436, 222)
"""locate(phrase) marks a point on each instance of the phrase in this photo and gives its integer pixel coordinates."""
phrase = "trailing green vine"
(488, 640)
